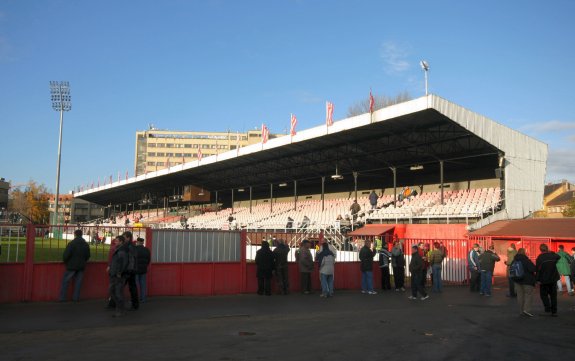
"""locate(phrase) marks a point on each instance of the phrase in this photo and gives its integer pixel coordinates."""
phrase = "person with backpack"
(522, 273)
(326, 261)
(144, 257)
(564, 269)
(547, 276)
(131, 268)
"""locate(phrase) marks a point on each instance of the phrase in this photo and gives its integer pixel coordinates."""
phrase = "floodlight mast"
(61, 102)
(425, 68)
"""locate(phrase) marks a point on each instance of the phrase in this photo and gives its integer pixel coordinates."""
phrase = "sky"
(223, 64)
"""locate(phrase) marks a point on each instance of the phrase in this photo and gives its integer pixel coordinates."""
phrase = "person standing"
(281, 263)
(526, 284)
(326, 261)
(384, 261)
(265, 267)
(473, 267)
(487, 264)
(511, 252)
(354, 209)
(305, 262)
(373, 199)
(131, 269)
(117, 272)
(366, 254)
(144, 258)
(547, 276)
(564, 268)
(398, 265)
(75, 256)
(435, 261)
(416, 266)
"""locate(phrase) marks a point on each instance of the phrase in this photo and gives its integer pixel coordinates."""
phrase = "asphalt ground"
(453, 325)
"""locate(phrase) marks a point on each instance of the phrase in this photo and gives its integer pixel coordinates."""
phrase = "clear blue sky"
(218, 65)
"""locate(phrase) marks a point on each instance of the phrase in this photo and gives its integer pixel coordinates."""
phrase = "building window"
(187, 145)
(169, 154)
(151, 163)
(151, 154)
(152, 145)
(169, 145)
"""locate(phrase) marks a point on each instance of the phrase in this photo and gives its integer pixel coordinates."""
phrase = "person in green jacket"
(564, 269)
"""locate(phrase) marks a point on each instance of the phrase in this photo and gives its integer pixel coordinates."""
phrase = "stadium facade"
(428, 140)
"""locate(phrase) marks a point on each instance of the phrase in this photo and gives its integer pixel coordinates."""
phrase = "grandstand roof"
(423, 131)
(554, 228)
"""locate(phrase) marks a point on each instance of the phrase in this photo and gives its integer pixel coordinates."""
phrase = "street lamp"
(61, 102)
(425, 68)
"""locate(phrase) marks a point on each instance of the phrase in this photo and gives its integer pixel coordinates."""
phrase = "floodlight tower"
(425, 68)
(61, 102)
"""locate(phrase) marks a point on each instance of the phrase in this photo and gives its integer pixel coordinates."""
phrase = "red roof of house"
(554, 228)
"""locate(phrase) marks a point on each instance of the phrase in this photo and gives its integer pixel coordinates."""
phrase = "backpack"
(132, 260)
(516, 271)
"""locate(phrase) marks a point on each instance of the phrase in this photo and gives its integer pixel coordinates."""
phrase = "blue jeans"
(326, 284)
(367, 281)
(486, 278)
(437, 283)
(77, 285)
(141, 281)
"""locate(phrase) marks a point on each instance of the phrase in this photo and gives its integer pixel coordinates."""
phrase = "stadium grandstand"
(429, 161)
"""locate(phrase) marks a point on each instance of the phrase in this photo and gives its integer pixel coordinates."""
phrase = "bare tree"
(380, 101)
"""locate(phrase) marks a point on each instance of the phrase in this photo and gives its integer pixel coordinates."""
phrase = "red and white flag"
(199, 154)
(371, 102)
(168, 162)
(265, 134)
(328, 114)
(126, 175)
(293, 125)
(110, 179)
(98, 182)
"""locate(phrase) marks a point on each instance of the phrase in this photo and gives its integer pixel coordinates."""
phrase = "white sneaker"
(372, 293)
(412, 298)
(364, 292)
(424, 298)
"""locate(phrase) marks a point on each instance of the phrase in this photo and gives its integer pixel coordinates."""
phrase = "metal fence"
(12, 243)
(195, 246)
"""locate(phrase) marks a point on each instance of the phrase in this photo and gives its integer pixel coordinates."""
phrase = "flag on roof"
(328, 113)
(265, 133)
(371, 102)
(293, 125)
(199, 153)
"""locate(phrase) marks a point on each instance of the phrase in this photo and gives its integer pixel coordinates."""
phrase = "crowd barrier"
(184, 262)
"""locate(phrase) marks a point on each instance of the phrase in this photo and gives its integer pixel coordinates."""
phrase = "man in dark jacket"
(76, 254)
(547, 276)
(131, 275)
(305, 263)
(366, 254)
(143, 259)
(416, 266)
(525, 285)
(281, 262)
(265, 267)
(473, 266)
(487, 261)
(116, 271)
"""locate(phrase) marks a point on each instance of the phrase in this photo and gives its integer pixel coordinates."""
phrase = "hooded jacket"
(528, 269)
(546, 265)
(76, 254)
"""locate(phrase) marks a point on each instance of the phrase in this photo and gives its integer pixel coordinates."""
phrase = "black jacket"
(265, 262)
(143, 259)
(281, 255)
(366, 257)
(76, 254)
(119, 261)
(528, 268)
(546, 264)
(416, 263)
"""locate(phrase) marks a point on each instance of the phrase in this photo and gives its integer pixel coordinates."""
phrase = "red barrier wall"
(11, 281)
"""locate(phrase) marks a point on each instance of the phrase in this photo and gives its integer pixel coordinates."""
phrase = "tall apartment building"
(156, 149)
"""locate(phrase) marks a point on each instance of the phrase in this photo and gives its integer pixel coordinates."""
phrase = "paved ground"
(454, 325)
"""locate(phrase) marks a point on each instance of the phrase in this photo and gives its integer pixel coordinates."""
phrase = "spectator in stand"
(564, 268)
(305, 262)
(473, 267)
(326, 262)
(289, 224)
(265, 266)
(511, 252)
(487, 264)
(366, 254)
(345, 224)
(281, 263)
(143, 257)
(435, 260)
(398, 265)
(373, 199)
(547, 276)
(354, 209)
(416, 268)
(525, 285)
(76, 254)
(305, 222)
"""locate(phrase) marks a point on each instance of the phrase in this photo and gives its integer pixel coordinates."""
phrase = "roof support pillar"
(322, 193)
(250, 199)
(271, 197)
(394, 171)
(232, 200)
(441, 179)
(355, 184)
(217, 207)
(294, 195)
